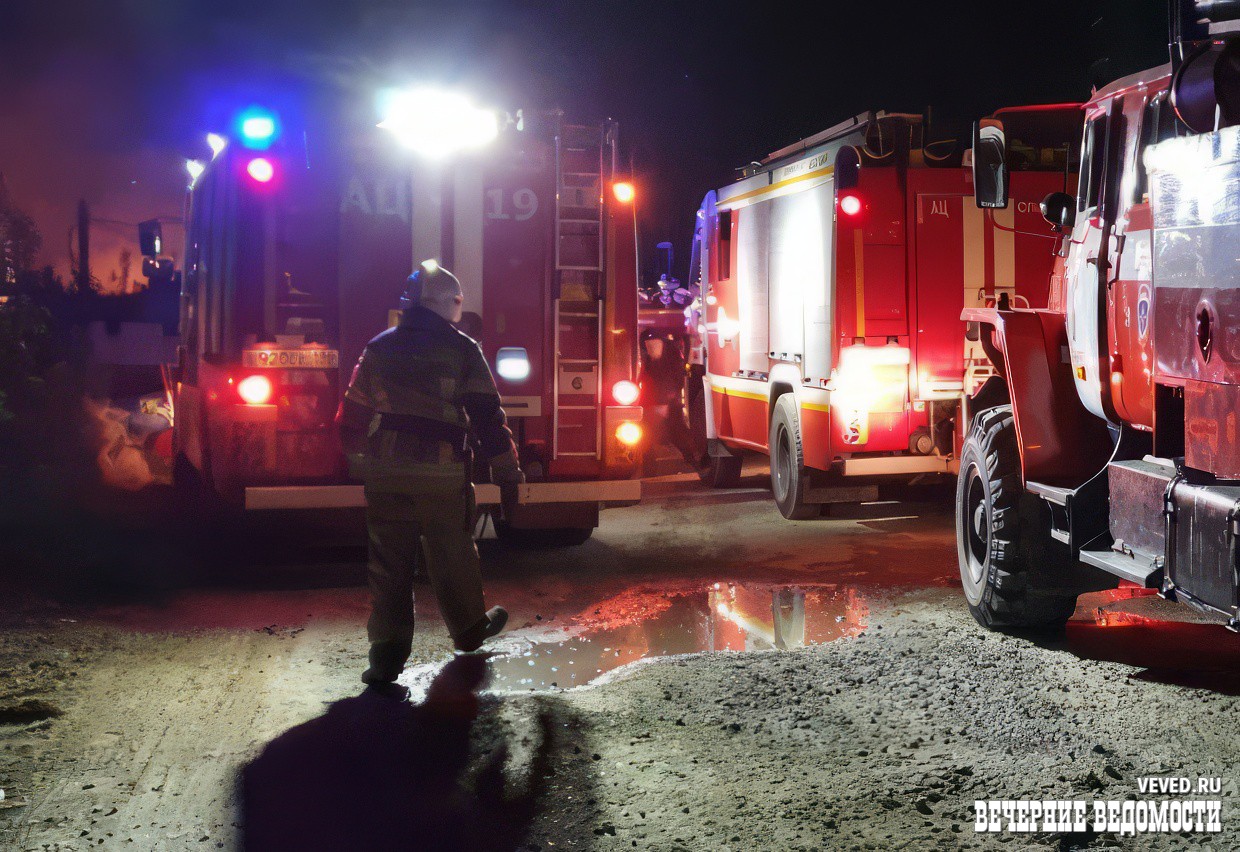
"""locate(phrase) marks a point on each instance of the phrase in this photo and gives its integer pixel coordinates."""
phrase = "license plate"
(296, 359)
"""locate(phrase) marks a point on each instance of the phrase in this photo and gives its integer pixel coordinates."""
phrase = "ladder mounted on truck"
(584, 160)
(579, 164)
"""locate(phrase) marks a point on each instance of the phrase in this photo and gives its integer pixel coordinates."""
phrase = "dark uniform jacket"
(428, 386)
(663, 379)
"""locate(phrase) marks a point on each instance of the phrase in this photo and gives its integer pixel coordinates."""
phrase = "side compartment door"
(753, 285)
(950, 276)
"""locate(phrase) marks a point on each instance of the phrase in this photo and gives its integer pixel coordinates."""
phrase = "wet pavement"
(646, 624)
(693, 616)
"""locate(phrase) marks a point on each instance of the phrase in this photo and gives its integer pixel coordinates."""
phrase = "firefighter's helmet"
(435, 289)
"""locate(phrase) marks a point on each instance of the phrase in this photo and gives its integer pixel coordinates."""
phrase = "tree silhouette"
(19, 238)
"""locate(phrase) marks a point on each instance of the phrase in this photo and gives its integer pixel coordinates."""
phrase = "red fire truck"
(833, 274)
(297, 252)
(1106, 447)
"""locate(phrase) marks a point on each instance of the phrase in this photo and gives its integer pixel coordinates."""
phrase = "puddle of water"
(641, 624)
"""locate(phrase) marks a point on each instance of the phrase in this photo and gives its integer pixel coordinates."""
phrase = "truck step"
(1050, 493)
(1135, 569)
(1075, 518)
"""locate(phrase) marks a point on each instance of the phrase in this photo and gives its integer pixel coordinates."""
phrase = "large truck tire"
(1011, 568)
(537, 539)
(789, 478)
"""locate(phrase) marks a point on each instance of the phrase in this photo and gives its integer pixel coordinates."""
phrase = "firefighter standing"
(417, 392)
(663, 380)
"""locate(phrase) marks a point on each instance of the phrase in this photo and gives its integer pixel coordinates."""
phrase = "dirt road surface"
(700, 675)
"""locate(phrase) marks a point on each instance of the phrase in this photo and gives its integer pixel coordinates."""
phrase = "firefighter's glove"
(506, 473)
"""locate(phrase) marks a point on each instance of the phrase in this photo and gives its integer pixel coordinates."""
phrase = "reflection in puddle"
(639, 625)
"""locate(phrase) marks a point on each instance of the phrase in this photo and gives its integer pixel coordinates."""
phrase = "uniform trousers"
(435, 513)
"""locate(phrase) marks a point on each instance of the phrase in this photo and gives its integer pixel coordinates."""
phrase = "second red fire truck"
(299, 241)
(833, 274)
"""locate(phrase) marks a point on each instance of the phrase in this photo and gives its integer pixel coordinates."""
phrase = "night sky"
(105, 98)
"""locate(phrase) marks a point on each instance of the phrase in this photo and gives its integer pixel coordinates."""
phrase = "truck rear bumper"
(607, 493)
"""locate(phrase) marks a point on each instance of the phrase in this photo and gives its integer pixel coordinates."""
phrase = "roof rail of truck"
(1150, 75)
(844, 128)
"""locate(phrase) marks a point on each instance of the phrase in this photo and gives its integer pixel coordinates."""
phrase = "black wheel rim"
(975, 533)
(783, 464)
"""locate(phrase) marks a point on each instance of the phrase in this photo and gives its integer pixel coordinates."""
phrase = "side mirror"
(1059, 209)
(150, 238)
(990, 180)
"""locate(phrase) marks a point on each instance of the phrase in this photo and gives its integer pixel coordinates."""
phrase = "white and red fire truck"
(1106, 447)
(297, 253)
(833, 275)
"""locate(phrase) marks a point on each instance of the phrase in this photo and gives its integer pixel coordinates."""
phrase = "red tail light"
(255, 390)
(850, 204)
(624, 393)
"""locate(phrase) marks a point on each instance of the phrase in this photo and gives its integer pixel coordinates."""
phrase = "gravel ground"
(126, 726)
(881, 741)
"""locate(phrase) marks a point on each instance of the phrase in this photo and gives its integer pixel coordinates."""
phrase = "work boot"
(392, 691)
(490, 625)
(387, 661)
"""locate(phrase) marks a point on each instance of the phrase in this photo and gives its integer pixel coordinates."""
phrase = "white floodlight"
(512, 363)
(216, 143)
(195, 169)
(437, 124)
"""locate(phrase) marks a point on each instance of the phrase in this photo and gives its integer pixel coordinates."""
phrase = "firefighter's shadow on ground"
(379, 773)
